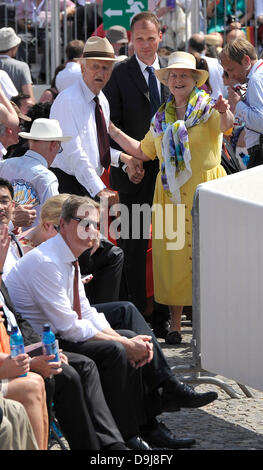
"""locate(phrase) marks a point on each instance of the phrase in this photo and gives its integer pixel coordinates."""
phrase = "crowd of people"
(119, 128)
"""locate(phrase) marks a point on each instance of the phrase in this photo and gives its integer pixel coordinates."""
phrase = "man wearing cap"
(17, 70)
(117, 35)
(83, 112)
(132, 105)
(32, 181)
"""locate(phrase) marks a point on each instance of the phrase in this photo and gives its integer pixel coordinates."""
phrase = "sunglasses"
(87, 224)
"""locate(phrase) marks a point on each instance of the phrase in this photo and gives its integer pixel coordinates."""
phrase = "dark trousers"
(132, 395)
(121, 383)
(256, 154)
(80, 406)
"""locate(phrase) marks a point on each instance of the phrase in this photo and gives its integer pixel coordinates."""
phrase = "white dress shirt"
(145, 73)
(31, 175)
(41, 288)
(9, 88)
(250, 110)
(3, 151)
(74, 108)
(68, 76)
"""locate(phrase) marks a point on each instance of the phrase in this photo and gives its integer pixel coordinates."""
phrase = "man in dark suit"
(132, 106)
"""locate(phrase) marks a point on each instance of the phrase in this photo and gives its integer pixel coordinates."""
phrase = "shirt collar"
(254, 68)
(143, 66)
(64, 250)
(88, 94)
(36, 156)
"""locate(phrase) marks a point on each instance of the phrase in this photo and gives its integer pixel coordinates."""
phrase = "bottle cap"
(46, 327)
(14, 329)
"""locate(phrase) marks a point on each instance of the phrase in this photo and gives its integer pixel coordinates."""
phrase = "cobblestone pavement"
(226, 424)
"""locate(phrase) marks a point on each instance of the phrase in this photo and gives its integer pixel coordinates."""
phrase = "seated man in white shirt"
(81, 164)
(29, 174)
(50, 294)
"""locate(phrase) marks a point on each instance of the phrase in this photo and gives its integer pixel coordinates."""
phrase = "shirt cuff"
(115, 156)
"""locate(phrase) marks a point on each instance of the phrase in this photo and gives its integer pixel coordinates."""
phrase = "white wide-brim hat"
(97, 48)
(181, 60)
(8, 39)
(45, 129)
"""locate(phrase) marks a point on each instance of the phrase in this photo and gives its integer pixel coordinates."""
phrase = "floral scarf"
(176, 168)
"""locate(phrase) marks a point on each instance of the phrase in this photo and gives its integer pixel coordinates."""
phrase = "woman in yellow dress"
(186, 135)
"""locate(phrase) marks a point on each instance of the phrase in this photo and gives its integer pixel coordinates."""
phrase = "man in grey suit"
(132, 106)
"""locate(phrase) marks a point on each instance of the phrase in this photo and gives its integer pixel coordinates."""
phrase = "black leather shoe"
(137, 443)
(184, 396)
(161, 436)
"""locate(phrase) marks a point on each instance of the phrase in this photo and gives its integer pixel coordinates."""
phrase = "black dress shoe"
(161, 436)
(137, 443)
(184, 396)
(173, 337)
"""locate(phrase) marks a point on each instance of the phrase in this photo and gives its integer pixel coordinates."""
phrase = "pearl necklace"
(177, 107)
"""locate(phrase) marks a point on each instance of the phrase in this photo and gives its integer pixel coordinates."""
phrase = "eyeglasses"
(87, 224)
(60, 150)
(5, 202)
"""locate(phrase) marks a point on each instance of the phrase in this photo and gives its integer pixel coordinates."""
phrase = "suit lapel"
(137, 76)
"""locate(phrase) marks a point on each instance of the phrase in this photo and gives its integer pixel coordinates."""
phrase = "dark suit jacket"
(128, 96)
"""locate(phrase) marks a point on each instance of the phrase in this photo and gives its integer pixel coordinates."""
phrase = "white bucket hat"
(8, 39)
(97, 48)
(45, 129)
(181, 60)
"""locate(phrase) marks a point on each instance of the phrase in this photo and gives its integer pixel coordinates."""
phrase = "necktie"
(153, 89)
(76, 300)
(103, 138)
(19, 247)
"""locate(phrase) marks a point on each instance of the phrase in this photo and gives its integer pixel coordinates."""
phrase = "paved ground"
(227, 424)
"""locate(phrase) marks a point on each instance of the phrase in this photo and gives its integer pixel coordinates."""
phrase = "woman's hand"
(222, 105)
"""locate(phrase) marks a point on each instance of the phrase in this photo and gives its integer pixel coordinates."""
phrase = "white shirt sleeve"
(252, 114)
(53, 301)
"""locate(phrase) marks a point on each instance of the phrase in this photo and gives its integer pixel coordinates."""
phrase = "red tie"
(76, 300)
(103, 138)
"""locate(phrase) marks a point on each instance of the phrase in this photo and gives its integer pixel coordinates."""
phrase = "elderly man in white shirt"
(239, 60)
(79, 167)
(53, 293)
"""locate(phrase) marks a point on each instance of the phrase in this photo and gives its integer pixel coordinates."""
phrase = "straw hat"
(97, 48)
(181, 60)
(45, 129)
(8, 39)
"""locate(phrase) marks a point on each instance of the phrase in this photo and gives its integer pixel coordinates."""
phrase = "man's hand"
(24, 215)
(42, 366)
(139, 350)
(111, 196)
(233, 98)
(135, 170)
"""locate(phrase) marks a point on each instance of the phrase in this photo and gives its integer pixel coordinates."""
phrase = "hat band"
(182, 61)
(99, 54)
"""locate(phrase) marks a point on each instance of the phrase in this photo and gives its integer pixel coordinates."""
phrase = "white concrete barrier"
(231, 276)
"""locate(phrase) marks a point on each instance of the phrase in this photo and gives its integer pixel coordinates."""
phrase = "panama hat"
(97, 48)
(181, 60)
(8, 39)
(45, 129)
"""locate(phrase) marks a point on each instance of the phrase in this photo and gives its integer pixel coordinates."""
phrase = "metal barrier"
(44, 43)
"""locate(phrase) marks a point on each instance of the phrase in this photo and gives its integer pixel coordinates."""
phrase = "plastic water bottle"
(49, 343)
(16, 344)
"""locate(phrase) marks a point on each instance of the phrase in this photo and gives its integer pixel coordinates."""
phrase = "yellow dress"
(172, 269)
